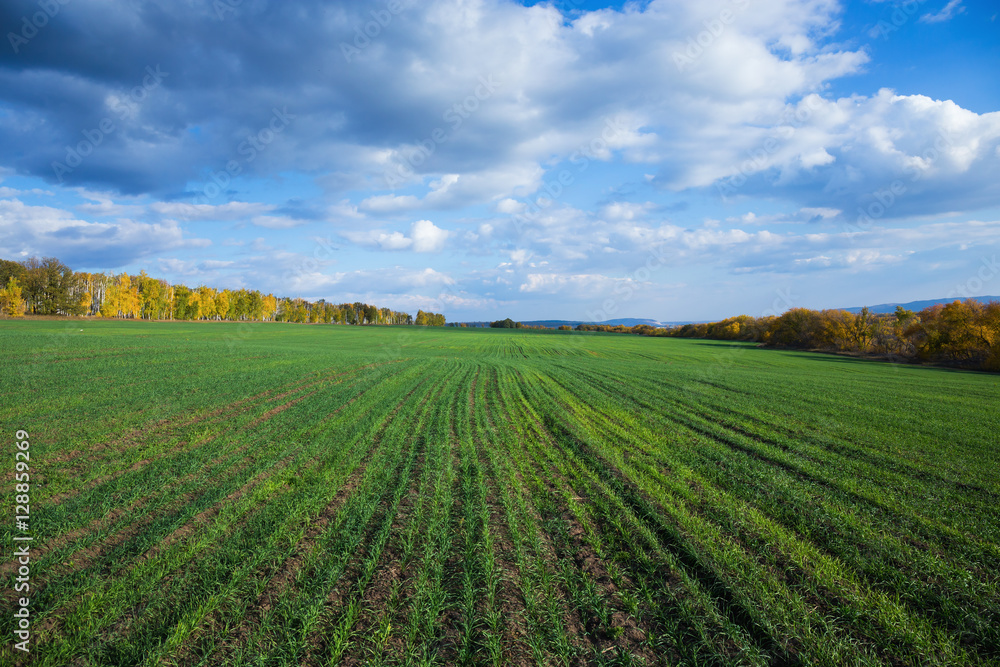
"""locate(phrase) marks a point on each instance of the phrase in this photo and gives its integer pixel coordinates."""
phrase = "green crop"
(280, 494)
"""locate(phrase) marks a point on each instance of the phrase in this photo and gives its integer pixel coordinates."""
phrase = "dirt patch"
(285, 575)
(388, 590)
(383, 593)
(509, 601)
(570, 542)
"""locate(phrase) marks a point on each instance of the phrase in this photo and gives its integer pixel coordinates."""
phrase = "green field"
(276, 494)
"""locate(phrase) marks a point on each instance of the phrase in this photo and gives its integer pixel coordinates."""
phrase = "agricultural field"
(281, 494)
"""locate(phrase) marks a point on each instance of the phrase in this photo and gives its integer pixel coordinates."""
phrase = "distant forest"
(962, 333)
(49, 287)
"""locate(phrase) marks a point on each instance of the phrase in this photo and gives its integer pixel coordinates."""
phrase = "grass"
(283, 494)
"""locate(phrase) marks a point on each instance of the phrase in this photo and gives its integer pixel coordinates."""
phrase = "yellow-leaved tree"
(207, 299)
(270, 306)
(11, 303)
(222, 304)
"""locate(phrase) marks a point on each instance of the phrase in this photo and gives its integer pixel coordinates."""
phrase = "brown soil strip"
(453, 572)
(50, 627)
(630, 634)
(286, 572)
(389, 580)
(509, 600)
(217, 415)
(86, 557)
(573, 622)
(145, 434)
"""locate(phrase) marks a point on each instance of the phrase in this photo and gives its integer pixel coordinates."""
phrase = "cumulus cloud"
(667, 83)
(424, 236)
(555, 84)
(48, 231)
(469, 113)
(937, 155)
(427, 237)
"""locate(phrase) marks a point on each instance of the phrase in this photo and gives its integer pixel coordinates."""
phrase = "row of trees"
(642, 329)
(963, 333)
(508, 323)
(49, 287)
(430, 319)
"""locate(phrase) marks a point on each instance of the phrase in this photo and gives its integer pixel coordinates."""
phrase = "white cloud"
(424, 236)
(632, 85)
(576, 285)
(950, 10)
(427, 237)
(48, 231)
(844, 151)
(236, 210)
(389, 203)
(6, 192)
(277, 221)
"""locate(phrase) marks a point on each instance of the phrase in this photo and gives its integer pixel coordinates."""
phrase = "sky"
(673, 160)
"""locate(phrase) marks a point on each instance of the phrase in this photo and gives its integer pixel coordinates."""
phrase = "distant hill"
(918, 305)
(633, 321)
(627, 321)
(555, 324)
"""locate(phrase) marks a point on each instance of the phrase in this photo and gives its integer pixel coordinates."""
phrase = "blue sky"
(575, 160)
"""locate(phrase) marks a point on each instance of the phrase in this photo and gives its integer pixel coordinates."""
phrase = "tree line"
(49, 287)
(430, 319)
(960, 333)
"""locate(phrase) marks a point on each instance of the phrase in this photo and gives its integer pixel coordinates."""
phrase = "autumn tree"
(269, 307)
(222, 300)
(863, 328)
(182, 297)
(47, 287)
(11, 303)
